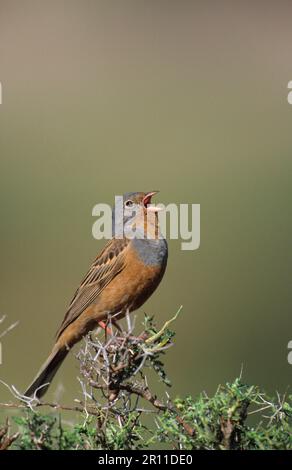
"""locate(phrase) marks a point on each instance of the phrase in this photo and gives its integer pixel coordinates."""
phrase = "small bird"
(121, 278)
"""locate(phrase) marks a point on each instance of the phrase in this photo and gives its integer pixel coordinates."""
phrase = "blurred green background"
(104, 97)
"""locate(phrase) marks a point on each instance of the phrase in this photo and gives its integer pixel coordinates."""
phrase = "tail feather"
(46, 374)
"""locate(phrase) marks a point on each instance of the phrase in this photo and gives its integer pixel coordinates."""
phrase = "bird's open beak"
(147, 201)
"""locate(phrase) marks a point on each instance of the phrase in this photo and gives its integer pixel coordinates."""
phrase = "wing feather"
(106, 266)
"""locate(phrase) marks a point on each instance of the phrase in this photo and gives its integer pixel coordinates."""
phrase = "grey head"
(132, 208)
(129, 207)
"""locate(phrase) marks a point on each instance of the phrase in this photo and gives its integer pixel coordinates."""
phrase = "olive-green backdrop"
(104, 97)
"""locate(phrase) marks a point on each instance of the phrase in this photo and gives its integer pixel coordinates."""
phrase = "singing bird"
(121, 278)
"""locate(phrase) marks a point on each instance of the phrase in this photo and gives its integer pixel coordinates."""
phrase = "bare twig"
(5, 439)
(112, 378)
(10, 327)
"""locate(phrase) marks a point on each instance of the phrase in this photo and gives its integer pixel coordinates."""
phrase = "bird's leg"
(106, 329)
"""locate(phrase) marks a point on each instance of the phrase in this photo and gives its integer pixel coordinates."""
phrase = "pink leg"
(103, 325)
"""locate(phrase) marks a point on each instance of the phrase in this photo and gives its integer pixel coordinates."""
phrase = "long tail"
(47, 372)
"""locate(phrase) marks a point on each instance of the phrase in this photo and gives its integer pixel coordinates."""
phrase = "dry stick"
(5, 439)
(130, 388)
(56, 406)
(137, 390)
(145, 393)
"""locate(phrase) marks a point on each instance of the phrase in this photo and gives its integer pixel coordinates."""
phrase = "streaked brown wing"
(105, 267)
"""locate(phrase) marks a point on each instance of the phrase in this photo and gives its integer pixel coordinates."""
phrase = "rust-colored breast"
(131, 288)
(128, 290)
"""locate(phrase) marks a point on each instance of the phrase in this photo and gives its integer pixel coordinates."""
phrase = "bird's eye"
(129, 203)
